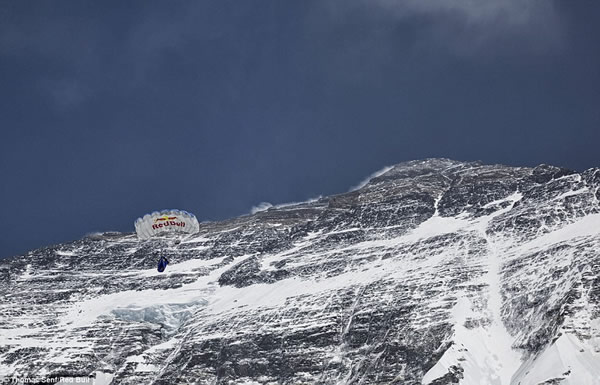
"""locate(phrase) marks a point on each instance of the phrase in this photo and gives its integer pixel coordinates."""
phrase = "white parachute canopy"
(166, 222)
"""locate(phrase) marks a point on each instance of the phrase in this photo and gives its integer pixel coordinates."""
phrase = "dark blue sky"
(112, 109)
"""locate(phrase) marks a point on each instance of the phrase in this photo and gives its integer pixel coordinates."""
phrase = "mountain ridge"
(435, 271)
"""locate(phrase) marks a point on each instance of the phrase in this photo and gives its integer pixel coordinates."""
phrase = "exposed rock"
(428, 273)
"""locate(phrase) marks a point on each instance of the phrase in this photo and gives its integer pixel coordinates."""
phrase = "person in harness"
(162, 264)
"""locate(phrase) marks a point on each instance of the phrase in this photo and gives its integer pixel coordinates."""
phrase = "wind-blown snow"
(365, 181)
(262, 206)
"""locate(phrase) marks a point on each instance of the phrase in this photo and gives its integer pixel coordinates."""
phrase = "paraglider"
(166, 223)
(162, 264)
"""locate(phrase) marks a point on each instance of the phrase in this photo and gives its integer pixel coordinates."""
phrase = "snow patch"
(103, 378)
(568, 358)
(26, 274)
(436, 226)
(170, 316)
(585, 227)
(567, 194)
(66, 253)
(483, 352)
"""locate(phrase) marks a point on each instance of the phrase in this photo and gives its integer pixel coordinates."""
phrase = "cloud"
(510, 12)
(465, 26)
(67, 93)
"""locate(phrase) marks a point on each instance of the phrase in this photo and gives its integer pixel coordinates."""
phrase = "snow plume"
(102, 234)
(94, 235)
(262, 206)
(364, 182)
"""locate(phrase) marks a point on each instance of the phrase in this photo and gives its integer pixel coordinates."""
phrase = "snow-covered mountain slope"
(434, 272)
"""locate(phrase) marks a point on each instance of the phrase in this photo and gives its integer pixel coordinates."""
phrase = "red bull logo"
(166, 221)
(164, 218)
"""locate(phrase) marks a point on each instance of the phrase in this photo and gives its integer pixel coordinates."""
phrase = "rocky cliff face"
(435, 272)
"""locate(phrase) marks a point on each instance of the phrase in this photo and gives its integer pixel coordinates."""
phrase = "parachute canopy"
(166, 222)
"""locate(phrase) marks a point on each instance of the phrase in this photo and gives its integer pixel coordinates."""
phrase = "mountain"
(434, 272)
